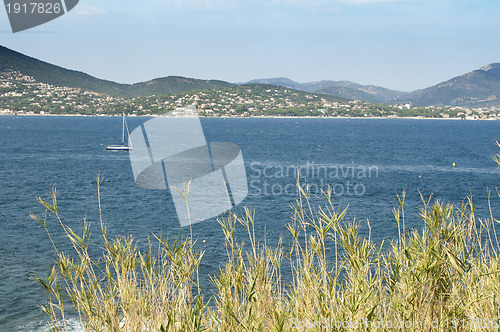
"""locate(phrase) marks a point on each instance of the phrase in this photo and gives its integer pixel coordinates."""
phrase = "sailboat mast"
(129, 142)
(123, 130)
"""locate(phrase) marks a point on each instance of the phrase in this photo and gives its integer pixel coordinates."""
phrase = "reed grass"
(444, 277)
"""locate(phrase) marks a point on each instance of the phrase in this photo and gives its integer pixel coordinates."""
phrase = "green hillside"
(343, 89)
(479, 88)
(172, 85)
(47, 73)
(31, 86)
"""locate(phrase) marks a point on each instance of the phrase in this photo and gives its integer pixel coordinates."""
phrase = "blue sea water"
(365, 161)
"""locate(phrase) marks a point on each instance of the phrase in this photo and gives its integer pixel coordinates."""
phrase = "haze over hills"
(345, 89)
(479, 88)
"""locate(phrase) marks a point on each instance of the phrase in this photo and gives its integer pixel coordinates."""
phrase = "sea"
(366, 163)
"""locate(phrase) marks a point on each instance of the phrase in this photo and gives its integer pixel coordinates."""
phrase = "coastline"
(252, 117)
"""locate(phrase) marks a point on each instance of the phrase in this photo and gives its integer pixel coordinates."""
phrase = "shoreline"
(252, 117)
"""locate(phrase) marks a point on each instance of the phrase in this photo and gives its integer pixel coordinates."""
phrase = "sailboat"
(122, 147)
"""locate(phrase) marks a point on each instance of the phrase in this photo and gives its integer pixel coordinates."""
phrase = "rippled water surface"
(365, 161)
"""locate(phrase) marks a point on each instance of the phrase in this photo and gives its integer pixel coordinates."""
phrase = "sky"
(398, 44)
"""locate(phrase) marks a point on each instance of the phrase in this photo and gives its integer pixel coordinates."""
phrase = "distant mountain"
(479, 88)
(279, 81)
(344, 89)
(351, 90)
(47, 73)
(173, 85)
(351, 93)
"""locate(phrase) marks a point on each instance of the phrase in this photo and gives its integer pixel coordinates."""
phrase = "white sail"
(122, 147)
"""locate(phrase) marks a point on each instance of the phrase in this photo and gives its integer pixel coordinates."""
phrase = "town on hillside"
(23, 95)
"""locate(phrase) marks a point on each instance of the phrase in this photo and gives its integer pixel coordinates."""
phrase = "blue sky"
(398, 44)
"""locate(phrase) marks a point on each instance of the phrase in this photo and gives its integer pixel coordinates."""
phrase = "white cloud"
(83, 9)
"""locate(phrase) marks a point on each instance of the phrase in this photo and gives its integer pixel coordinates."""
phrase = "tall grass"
(444, 277)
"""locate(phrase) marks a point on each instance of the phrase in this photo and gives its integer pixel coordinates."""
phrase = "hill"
(44, 72)
(478, 88)
(279, 81)
(343, 89)
(22, 94)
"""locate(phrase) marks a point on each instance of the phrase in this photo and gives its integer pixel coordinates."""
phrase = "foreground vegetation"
(444, 277)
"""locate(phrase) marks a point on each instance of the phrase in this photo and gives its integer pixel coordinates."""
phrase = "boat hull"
(118, 148)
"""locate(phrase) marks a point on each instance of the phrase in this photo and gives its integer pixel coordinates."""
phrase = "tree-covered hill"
(479, 88)
(44, 72)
